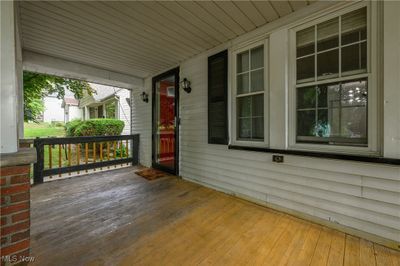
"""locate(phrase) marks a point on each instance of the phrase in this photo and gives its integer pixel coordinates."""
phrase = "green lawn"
(54, 156)
(44, 130)
(33, 130)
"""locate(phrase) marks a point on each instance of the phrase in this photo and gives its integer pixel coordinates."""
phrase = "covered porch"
(279, 121)
(119, 218)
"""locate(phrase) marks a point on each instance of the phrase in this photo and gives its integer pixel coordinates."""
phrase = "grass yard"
(54, 155)
(43, 130)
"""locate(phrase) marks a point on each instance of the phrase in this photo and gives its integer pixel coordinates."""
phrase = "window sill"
(250, 144)
(324, 155)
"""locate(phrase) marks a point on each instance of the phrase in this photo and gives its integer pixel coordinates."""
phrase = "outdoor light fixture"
(186, 85)
(145, 97)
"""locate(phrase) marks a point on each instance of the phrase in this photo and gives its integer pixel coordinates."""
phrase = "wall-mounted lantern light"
(186, 85)
(145, 97)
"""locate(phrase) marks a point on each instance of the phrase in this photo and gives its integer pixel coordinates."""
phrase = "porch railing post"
(135, 149)
(39, 165)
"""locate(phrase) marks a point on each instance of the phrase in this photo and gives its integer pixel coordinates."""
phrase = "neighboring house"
(52, 109)
(71, 109)
(107, 102)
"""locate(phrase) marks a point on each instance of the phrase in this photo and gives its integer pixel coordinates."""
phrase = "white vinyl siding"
(124, 110)
(141, 122)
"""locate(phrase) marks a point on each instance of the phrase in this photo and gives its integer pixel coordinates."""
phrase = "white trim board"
(40, 63)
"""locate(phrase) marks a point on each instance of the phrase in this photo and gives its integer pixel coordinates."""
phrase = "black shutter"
(218, 98)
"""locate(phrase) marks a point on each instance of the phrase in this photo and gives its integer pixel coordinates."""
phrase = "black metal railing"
(57, 156)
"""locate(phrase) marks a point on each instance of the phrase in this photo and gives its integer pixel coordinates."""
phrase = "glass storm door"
(165, 118)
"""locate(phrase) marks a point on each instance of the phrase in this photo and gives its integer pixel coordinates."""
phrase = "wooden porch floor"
(118, 218)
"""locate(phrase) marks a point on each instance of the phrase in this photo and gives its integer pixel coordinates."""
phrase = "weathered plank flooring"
(118, 218)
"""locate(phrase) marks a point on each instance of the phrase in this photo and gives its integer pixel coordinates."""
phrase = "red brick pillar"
(15, 213)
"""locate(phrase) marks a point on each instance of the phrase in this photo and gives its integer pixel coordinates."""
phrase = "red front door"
(165, 120)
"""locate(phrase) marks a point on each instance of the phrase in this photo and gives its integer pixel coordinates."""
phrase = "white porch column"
(9, 80)
(20, 74)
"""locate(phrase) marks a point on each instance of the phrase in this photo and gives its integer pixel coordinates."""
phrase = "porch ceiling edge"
(51, 65)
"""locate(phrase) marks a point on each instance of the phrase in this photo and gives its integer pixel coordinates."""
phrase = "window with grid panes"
(250, 94)
(332, 81)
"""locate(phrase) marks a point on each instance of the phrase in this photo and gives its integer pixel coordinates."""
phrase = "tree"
(37, 86)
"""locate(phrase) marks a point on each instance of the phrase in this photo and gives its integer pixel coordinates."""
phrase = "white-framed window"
(250, 95)
(111, 108)
(333, 97)
(92, 112)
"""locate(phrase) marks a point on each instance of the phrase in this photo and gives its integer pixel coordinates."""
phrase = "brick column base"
(15, 214)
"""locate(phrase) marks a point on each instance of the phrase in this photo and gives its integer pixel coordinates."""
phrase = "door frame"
(155, 165)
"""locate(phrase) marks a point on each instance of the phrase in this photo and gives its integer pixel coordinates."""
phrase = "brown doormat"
(151, 174)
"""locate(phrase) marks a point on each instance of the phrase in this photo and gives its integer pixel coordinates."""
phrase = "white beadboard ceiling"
(140, 38)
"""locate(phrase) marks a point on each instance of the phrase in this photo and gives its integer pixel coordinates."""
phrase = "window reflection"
(333, 113)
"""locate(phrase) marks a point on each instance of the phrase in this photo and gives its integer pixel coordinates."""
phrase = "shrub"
(118, 151)
(99, 127)
(57, 124)
(71, 126)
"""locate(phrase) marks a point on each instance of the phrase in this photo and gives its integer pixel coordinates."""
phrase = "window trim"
(116, 100)
(322, 155)
(373, 75)
(233, 95)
